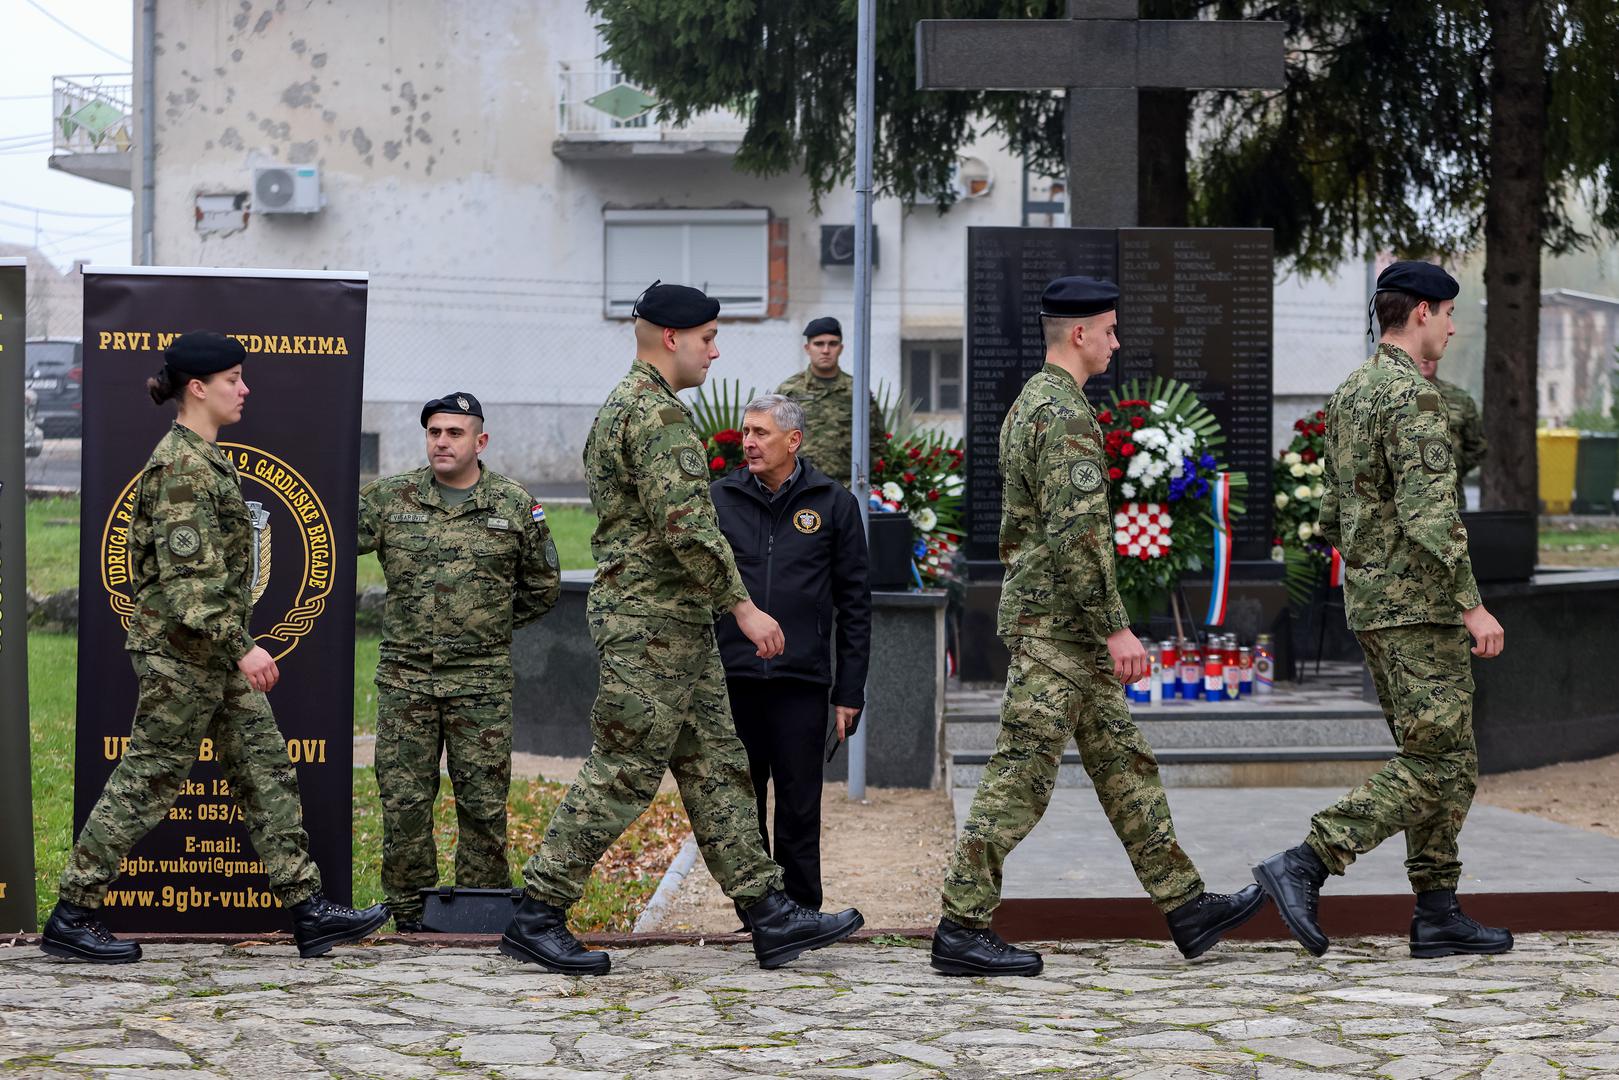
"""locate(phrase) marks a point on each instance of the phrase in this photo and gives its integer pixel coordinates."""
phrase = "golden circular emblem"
(806, 521)
(277, 484)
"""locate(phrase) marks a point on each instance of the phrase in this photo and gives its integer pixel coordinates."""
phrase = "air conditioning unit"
(287, 189)
(837, 245)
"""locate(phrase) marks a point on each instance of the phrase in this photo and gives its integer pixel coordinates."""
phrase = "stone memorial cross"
(1102, 54)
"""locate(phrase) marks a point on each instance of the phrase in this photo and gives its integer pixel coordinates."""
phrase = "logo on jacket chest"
(806, 521)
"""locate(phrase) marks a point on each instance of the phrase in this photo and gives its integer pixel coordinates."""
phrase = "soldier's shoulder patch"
(1428, 401)
(672, 414)
(181, 493)
(1435, 455)
(552, 560)
(184, 541)
(1086, 476)
(691, 462)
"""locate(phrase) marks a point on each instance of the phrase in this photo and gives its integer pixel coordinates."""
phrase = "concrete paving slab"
(1074, 853)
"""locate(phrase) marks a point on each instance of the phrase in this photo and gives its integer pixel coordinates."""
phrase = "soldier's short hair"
(1394, 309)
(787, 413)
(1057, 330)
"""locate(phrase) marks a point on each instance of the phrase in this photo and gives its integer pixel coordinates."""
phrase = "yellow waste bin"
(1558, 449)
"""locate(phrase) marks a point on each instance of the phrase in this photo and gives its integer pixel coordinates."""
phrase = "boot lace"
(990, 939)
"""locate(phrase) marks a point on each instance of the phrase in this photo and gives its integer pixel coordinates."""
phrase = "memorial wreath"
(1299, 486)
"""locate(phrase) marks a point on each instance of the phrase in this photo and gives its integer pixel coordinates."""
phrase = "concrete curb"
(684, 860)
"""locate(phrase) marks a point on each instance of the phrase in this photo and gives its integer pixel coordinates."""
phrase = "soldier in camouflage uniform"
(826, 394)
(1411, 599)
(1467, 443)
(1072, 651)
(200, 674)
(468, 558)
(664, 572)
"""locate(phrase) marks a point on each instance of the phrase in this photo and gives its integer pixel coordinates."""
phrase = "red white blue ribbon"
(1221, 494)
(1335, 571)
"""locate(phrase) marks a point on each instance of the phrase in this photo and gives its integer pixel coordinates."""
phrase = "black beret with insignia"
(1078, 298)
(679, 307)
(1419, 279)
(202, 353)
(826, 324)
(460, 402)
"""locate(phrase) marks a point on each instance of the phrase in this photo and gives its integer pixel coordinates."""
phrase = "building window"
(725, 253)
(933, 376)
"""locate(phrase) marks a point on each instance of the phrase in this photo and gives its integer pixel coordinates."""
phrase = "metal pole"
(148, 101)
(865, 75)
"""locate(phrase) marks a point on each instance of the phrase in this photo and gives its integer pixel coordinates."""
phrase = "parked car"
(55, 369)
(33, 436)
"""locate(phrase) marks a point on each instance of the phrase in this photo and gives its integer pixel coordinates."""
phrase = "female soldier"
(200, 674)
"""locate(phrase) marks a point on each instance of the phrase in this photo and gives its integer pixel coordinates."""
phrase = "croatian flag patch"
(539, 514)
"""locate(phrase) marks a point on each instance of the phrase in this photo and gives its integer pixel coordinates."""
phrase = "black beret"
(826, 324)
(459, 402)
(203, 352)
(679, 307)
(1078, 297)
(1419, 279)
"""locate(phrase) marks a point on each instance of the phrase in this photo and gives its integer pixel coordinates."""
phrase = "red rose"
(950, 537)
(1308, 456)
(728, 437)
(879, 464)
(909, 478)
(1127, 449)
(913, 453)
(1136, 421)
(717, 465)
(933, 496)
(1105, 416)
(1144, 556)
(1123, 549)
(1319, 415)
(1115, 473)
(1319, 429)
(888, 435)
(1299, 425)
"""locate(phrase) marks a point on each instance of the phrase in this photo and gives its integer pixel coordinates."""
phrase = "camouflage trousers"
(662, 704)
(1424, 679)
(1057, 690)
(473, 732)
(180, 705)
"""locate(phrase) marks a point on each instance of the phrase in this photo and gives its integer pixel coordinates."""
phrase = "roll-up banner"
(16, 787)
(297, 448)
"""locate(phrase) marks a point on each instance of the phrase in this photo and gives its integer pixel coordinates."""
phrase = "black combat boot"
(75, 933)
(318, 924)
(1292, 880)
(965, 950)
(1197, 924)
(784, 929)
(539, 935)
(1438, 928)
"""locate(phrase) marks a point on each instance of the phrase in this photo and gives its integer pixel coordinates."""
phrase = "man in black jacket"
(802, 553)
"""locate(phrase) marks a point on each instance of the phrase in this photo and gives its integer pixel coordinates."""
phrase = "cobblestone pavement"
(1126, 1009)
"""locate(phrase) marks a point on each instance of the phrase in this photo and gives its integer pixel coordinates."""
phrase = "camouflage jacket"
(1390, 502)
(460, 579)
(1056, 526)
(828, 406)
(190, 545)
(1467, 443)
(658, 546)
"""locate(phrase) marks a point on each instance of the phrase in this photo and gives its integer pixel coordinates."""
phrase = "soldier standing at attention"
(1467, 443)
(664, 573)
(1411, 599)
(468, 559)
(1072, 652)
(826, 394)
(200, 673)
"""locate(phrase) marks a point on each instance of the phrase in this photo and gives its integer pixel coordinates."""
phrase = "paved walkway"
(195, 1012)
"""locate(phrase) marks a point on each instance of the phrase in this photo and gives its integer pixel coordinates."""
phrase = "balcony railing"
(596, 104)
(93, 127)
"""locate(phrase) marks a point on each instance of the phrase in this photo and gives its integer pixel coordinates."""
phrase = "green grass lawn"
(615, 895)
(53, 544)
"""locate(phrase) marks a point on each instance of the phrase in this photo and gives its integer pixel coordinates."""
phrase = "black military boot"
(1292, 879)
(1197, 924)
(1438, 928)
(965, 950)
(539, 935)
(318, 924)
(75, 933)
(784, 929)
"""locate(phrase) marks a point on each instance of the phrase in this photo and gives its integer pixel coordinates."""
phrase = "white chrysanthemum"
(1306, 531)
(1302, 491)
(1121, 519)
(925, 519)
(1318, 491)
(1134, 550)
(1292, 458)
(893, 492)
(1166, 521)
(1159, 408)
(1128, 490)
(1298, 470)
(1281, 499)
(1121, 537)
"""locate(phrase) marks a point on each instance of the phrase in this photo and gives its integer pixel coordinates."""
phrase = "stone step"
(1273, 766)
(1343, 727)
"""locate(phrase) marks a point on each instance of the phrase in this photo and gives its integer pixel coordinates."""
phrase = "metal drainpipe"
(148, 126)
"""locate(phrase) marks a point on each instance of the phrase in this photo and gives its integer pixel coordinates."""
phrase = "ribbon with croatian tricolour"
(1220, 492)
